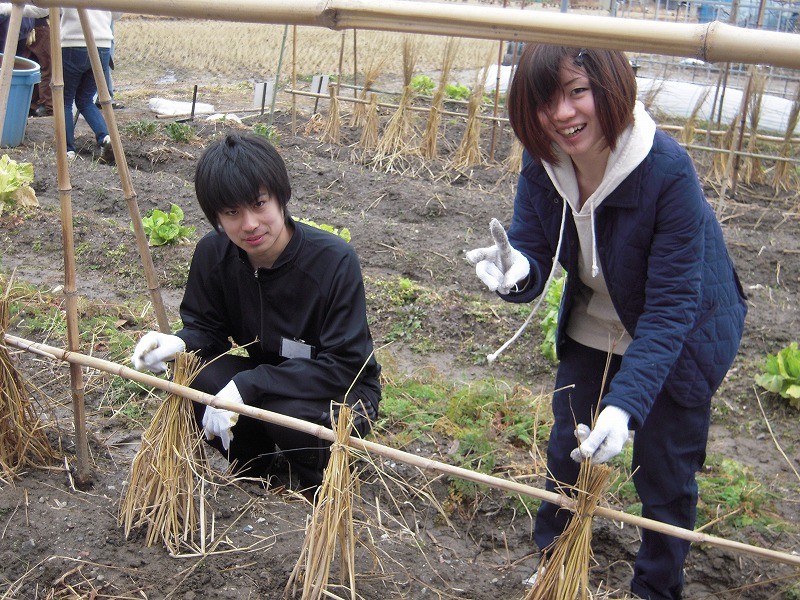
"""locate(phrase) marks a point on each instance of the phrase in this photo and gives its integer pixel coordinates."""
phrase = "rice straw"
(167, 470)
(331, 523)
(23, 441)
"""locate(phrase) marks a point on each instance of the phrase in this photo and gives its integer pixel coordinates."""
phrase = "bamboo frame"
(710, 42)
(124, 175)
(374, 448)
(83, 474)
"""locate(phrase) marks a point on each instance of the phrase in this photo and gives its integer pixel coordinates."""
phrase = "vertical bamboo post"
(294, 79)
(277, 75)
(124, 175)
(497, 93)
(355, 63)
(341, 65)
(10, 49)
(745, 105)
(82, 476)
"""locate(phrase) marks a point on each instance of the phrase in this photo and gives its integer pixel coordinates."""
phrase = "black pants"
(667, 452)
(255, 443)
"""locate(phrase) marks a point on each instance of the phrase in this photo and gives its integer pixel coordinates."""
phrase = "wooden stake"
(376, 449)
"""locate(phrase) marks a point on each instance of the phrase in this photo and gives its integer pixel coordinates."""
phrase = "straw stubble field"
(423, 538)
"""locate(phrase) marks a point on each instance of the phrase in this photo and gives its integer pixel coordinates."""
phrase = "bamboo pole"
(124, 175)
(420, 462)
(710, 42)
(83, 475)
(294, 79)
(9, 50)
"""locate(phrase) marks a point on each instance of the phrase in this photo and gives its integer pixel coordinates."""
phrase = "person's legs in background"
(84, 98)
(74, 61)
(39, 50)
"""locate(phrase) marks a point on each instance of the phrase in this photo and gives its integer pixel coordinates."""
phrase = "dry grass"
(23, 441)
(564, 575)
(168, 471)
(331, 523)
(147, 47)
(429, 144)
(784, 177)
(333, 127)
(753, 171)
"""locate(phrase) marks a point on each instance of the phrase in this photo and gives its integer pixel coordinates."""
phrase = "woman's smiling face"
(570, 118)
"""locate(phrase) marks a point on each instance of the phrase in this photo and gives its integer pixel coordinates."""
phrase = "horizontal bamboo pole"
(710, 42)
(386, 452)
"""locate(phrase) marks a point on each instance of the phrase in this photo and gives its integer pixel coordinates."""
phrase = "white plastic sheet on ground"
(175, 108)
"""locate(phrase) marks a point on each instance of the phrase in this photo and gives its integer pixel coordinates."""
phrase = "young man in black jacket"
(290, 294)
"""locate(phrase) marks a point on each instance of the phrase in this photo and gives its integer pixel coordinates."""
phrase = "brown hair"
(536, 82)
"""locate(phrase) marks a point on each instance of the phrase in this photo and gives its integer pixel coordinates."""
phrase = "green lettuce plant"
(343, 233)
(15, 180)
(549, 323)
(166, 228)
(782, 374)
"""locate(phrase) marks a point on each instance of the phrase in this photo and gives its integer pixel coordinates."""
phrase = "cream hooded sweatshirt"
(593, 321)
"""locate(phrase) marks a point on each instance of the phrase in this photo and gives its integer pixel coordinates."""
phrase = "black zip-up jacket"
(307, 313)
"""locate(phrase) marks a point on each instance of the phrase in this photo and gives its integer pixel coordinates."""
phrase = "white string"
(493, 356)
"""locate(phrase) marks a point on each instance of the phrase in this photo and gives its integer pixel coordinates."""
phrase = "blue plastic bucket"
(25, 75)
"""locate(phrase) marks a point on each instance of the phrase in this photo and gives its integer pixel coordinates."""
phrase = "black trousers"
(668, 450)
(256, 443)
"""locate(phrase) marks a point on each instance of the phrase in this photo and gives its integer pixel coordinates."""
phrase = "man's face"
(258, 228)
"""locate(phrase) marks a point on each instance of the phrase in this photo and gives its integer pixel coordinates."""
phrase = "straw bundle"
(22, 438)
(168, 469)
(369, 133)
(719, 164)
(784, 177)
(331, 522)
(513, 164)
(468, 152)
(428, 146)
(332, 131)
(689, 127)
(397, 136)
(371, 72)
(753, 168)
(564, 574)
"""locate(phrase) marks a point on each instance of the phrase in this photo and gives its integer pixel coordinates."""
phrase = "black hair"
(235, 170)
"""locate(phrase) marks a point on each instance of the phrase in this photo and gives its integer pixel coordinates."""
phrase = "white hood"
(631, 149)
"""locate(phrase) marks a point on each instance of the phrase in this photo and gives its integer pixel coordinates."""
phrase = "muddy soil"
(58, 541)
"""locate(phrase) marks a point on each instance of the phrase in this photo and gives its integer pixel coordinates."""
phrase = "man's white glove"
(607, 438)
(500, 267)
(154, 349)
(218, 421)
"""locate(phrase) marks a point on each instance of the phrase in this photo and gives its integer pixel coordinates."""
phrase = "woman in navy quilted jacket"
(650, 287)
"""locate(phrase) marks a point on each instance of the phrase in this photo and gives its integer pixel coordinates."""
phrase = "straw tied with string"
(398, 455)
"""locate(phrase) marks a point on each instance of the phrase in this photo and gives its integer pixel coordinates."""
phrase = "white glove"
(154, 349)
(218, 421)
(500, 266)
(607, 438)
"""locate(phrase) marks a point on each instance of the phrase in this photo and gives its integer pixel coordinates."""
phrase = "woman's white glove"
(607, 438)
(500, 267)
(218, 421)
(154, 349)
